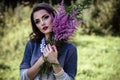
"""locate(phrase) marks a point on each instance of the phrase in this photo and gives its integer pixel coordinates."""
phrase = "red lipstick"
(45, 27)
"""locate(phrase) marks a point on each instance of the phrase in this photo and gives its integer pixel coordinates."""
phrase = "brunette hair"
(37, 35)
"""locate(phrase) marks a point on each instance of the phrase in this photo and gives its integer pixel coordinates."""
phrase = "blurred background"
(97, 38)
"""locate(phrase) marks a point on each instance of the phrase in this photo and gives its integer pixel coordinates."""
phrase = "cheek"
(50, 22)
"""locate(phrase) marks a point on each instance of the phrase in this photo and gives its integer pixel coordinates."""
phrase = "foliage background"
(97, 39)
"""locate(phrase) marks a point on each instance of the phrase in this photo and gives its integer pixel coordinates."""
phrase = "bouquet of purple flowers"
(64, 24)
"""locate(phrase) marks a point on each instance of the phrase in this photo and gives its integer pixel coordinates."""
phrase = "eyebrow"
(43, 16)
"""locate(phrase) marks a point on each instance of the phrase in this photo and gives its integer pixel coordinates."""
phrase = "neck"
(47, 36)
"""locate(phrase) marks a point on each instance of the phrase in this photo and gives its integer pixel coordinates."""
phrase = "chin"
(47, 32)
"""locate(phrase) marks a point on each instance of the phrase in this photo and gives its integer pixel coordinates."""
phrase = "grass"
(98, 58)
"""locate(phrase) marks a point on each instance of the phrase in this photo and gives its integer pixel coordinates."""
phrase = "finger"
(50, 47)
(46, 48)
(45, 53)
(54, 48)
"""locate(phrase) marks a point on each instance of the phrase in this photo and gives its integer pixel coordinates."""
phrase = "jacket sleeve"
(23, 74)
(62, 76)
(27, 56)
(70, 66)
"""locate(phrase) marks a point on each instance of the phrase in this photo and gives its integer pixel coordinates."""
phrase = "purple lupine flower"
(64, 24)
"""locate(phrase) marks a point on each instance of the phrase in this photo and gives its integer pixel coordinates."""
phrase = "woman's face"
(43, 21)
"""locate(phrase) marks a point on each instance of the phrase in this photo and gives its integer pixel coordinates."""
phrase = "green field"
(98, 58)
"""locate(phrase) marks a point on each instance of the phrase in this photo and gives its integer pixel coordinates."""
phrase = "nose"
(42, 22)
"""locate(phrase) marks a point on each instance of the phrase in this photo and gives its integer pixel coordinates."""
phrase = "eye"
(46, 17)
(37, 21)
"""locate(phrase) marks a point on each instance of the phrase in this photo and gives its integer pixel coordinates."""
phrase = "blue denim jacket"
(67, 57)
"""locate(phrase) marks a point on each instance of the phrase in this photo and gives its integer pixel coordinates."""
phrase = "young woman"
(37, 51)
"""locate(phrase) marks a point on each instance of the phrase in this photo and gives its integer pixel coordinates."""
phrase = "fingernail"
(53, 48)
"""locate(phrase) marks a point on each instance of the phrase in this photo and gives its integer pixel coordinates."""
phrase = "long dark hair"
(37, 35)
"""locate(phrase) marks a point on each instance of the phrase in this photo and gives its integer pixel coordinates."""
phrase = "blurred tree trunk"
(55, 2)
(103, 17)
(116, 18)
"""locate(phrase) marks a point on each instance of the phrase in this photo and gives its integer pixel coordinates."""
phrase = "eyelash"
(37, 21)
(46, 17)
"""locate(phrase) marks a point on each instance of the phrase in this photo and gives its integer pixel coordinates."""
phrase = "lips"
(45, 28)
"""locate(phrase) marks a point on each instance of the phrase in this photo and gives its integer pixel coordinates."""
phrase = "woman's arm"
(33, 71)
(26, 70)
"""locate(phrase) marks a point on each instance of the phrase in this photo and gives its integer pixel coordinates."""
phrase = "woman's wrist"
(41, 59)
(55, 64)
(56, 68)
(59, 73)
(44, 58)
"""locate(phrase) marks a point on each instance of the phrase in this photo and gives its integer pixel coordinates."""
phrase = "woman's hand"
(51, 53)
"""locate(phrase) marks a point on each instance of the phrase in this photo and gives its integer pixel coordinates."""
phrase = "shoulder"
(69, 48)
(69, 45)
(31, 42)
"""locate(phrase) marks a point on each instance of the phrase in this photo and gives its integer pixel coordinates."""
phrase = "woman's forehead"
(40, 13)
